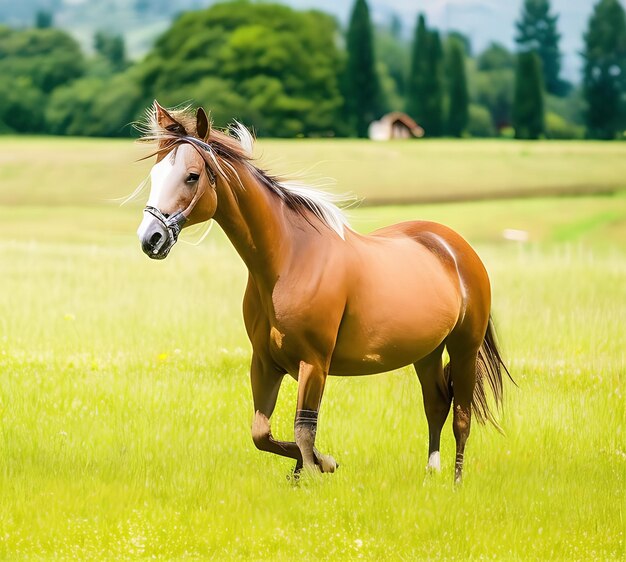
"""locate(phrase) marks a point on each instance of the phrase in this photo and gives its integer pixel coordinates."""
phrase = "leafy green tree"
(537, 32)
(35, 61)
(393, 52)
(494, 90)
(285, 65)
(495, 57)
(528, 110)
(93, 106)
(416, 87)
(465, 41)
(21, 106)
(458, 96)
(604, 74)
(559, 128)
(480, 123)
(362, 86)
(47, 57)
(492, 82)
(70, 109)
(112, 48)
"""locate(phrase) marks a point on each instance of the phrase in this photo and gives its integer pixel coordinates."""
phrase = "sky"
(483, 21)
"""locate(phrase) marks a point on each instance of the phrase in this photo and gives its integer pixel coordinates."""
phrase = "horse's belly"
(359, 353)
(396, 317)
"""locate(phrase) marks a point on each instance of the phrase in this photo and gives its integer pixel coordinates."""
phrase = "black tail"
(489, 367)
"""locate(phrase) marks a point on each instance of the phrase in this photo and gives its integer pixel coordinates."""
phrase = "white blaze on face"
(159, 175)
(162, 174)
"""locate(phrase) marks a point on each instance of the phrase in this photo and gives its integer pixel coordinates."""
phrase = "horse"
(322, 299)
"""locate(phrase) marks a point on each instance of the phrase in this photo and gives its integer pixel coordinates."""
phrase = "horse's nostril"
(155, 239)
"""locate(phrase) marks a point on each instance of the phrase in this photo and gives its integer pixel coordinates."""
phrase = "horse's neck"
(256, 223)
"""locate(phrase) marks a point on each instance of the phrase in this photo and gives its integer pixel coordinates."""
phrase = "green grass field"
(125, 406)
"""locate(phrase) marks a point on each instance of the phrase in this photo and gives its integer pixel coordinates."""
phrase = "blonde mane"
(225, 149)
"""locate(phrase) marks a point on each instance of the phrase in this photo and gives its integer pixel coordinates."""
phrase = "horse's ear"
(203, 125)
(166, 121)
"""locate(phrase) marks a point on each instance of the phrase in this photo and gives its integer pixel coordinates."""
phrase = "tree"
(425, 84)
(36, 61)
(537, 32)
(416, 88)
(604, 73)
(362, 87)
(43, 19)
(432, 120)
(495, 90)
(285, 64)
(393, 55)
(47, 57)
(21, 106)
(457, 90)
(465, 41)
(94, 106)
(111, 48)
(495, 57)
(480, 123)
(528, 111)
(493, 83)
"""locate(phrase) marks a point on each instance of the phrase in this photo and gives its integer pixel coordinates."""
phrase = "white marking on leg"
(434, 461)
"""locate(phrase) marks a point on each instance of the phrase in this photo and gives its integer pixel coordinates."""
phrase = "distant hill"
(141, 21)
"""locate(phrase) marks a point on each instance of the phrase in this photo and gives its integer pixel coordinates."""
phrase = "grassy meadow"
(125, 406)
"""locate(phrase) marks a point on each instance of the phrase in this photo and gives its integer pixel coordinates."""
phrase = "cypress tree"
(458, 109)
(528, 117)
(433, 121)
(419, 69)
(425, 84)
(44, 19)
(604, 73)
(362, 87)
(537, 32)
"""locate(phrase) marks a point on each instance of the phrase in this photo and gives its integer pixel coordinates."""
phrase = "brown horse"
(321, 299)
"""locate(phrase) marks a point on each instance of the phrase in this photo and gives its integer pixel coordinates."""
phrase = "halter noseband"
(174, 223)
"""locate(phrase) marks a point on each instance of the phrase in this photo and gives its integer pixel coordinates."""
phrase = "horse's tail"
(489, 367)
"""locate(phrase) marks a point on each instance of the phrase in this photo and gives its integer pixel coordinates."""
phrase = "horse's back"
(445, 243)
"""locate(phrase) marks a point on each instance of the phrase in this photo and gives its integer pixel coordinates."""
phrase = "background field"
(124, 398)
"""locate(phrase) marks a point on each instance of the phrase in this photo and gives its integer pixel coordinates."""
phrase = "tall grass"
(125, 406)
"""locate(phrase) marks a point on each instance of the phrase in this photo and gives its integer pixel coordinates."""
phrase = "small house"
(395, 125)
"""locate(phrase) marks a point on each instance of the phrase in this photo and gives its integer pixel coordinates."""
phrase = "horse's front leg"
(265, 386)
(266, 382)
(311, 381)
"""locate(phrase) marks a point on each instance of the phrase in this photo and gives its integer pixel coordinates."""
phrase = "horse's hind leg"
(437, 396)
(463, 375)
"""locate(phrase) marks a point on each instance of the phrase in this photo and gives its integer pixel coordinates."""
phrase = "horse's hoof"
(327, 463)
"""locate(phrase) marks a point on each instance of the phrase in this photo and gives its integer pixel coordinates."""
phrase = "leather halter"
(174, 223)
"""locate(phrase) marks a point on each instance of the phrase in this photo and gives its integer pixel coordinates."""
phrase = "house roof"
(399, 116)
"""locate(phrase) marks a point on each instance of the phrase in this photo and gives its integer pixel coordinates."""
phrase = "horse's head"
(183, 182)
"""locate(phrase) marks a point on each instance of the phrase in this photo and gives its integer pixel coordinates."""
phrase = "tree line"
(288, 73)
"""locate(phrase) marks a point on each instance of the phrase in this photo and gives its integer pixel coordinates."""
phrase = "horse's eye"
(192, 178)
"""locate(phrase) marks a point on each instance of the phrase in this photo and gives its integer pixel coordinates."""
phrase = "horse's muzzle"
(158, 233)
